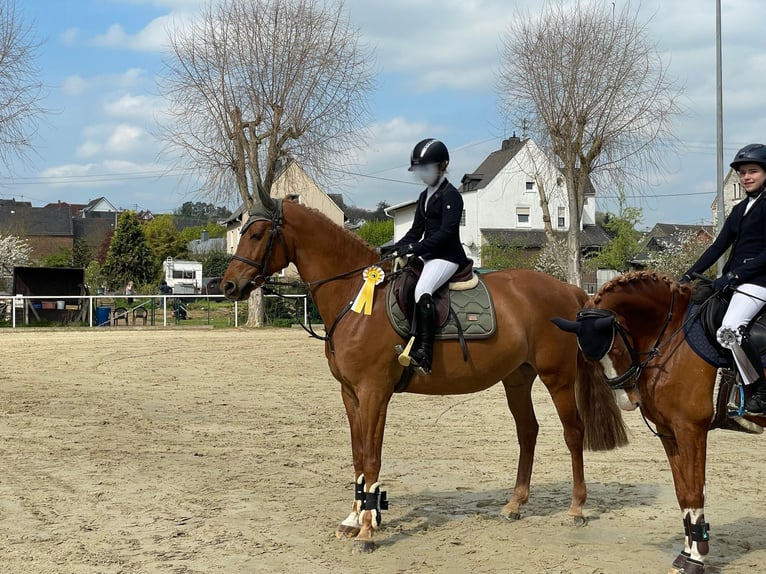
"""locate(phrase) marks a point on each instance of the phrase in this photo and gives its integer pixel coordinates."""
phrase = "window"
(561, 222)
(462, 219)
(737, 191)
(522, 216)
(530, 186)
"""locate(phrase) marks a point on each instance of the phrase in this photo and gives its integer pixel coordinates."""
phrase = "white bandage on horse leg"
(352, 520)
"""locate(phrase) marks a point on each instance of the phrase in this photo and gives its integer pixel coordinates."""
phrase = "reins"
(630, 377)
(636, 368)
(276, 221)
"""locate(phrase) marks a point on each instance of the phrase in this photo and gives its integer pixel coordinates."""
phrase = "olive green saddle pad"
(472, 307)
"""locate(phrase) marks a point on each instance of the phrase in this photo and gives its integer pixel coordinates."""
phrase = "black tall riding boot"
(425, 331)
(756, 403)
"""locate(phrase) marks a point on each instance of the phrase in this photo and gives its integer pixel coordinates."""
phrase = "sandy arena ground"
(227, 451)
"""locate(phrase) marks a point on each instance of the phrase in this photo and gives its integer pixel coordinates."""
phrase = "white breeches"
(436, 272)
(745, 303)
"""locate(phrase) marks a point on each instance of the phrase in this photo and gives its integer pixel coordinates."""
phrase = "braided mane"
(633, 277)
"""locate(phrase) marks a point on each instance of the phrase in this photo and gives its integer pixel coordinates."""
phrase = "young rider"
(435, 238)
(745, 270)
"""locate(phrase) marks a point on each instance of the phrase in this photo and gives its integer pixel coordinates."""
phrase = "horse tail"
(604, 426)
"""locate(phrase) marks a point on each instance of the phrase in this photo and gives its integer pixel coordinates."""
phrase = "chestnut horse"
(633, 328)
(361, 356)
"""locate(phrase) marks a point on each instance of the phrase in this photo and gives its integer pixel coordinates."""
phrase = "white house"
(733, 193)
(501, 200)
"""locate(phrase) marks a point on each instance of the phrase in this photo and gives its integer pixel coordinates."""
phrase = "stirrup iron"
(404, 357)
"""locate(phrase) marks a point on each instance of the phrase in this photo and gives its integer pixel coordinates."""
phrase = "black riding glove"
(725, 282)
(387, 250)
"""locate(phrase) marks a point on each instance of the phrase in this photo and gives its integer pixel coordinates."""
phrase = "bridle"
(275, 218)
(629, 378)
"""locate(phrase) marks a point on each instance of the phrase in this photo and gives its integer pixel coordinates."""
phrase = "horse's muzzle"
(235, 291)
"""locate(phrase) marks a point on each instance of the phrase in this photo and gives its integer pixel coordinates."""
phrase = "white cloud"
(151, 38)
(133, 78)
(69, 36)
(74, 85)
(124, 139)
(87, 149)
(452, 43)
(138, 107)
(59, 174)
(114, 37)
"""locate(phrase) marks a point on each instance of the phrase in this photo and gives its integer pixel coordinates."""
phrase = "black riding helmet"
(751, 153)
(428, 151)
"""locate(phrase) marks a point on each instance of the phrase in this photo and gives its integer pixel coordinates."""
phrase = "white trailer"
(183, 277)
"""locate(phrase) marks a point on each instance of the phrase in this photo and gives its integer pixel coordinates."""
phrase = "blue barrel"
(102, 316)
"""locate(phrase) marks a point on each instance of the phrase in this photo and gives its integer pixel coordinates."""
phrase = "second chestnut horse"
(633, 329)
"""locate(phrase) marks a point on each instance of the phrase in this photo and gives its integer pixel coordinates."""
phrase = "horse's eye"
(256, 235)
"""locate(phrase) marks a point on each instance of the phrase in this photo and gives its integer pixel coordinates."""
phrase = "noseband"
(629, 378)
(275, 217)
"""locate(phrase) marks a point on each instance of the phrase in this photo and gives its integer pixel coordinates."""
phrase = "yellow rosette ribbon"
(373, 276)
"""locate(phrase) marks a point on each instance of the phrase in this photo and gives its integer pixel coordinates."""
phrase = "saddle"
(700, 326)
(711, 314)
(463, 306)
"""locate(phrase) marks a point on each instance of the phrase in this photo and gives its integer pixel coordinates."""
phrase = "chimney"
(512, 141)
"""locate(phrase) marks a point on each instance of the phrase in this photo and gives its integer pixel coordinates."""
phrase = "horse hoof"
(511, 516)
(344, 532)
(579, 521)
(364, 547)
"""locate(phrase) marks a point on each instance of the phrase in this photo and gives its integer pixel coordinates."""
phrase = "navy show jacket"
(435, 231)
(745, 233)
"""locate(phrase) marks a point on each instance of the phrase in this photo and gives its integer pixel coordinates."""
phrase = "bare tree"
(595, 94)
(252, 83)
(20, 88)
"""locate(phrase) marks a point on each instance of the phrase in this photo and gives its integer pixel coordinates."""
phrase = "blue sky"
(437, 62)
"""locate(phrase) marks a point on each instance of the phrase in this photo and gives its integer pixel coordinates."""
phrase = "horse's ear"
(566, 325)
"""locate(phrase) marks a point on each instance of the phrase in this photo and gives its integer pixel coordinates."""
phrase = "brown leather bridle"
(275, 217)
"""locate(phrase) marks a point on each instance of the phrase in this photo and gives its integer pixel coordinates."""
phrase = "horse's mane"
(633, 277)
(342, 232)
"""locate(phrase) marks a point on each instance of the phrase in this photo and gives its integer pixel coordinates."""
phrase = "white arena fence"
(158, 310)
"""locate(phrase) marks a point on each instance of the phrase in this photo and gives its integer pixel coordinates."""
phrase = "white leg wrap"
(352, 520)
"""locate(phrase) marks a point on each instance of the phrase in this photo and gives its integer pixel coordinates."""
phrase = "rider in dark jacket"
(435, 238)
(745, 270)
